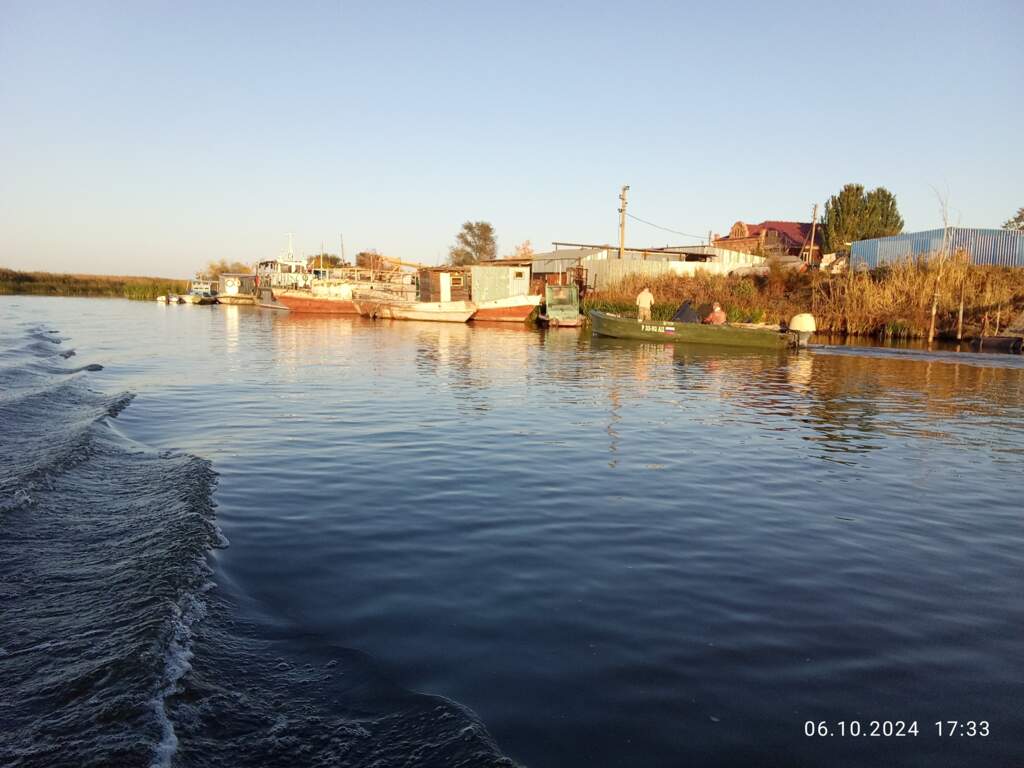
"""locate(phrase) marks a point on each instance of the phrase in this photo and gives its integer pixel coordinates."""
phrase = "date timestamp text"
(895, 728)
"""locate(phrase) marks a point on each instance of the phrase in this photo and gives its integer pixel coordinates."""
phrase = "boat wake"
(115, 646)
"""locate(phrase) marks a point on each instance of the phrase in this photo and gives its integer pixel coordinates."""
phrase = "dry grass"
(890, 301)
(58, 284)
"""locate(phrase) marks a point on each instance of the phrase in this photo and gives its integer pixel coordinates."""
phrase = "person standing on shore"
(644, 302)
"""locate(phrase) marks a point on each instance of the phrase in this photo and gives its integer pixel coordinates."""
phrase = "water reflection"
(845, 402)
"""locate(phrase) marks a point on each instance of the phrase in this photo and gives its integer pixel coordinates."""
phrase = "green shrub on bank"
(894, 300)
(57, 284)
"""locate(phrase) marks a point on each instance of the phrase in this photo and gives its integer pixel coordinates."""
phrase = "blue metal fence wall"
(997, 247)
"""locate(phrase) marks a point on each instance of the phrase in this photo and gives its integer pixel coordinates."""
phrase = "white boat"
(379, 304)
(509, 309)
(200, 292)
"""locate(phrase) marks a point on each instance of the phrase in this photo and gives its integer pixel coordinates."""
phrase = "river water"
(231, 537)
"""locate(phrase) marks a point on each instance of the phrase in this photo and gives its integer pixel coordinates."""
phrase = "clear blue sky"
(150, 137)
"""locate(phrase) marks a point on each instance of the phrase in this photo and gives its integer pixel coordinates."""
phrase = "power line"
(667, 229)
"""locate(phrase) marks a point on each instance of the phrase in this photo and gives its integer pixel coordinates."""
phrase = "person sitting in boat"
(716, 316)
(686, 314)
(644, 302)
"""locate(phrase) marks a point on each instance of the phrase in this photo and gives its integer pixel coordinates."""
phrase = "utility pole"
(341, 238)
(814, 224)
(622, 221)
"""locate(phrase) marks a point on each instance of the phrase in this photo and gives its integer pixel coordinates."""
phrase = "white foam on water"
(177, 663)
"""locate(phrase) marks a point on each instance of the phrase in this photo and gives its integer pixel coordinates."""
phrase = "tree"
(475, 242)
(369, 260)
(329, 260)
(883, 217)
(1017, 222)
(524, 250)
(215, 269)
(854, 215)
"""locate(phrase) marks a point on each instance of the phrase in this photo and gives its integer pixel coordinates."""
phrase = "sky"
(151, 137)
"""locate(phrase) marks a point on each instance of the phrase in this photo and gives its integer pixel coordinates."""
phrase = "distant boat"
(729, 335)
(200, 292)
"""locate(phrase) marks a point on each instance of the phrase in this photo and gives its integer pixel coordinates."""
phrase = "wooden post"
(622, 221)
(935, 307)
(943, 255)
(960, 314)
(988, 298)
(814, 224)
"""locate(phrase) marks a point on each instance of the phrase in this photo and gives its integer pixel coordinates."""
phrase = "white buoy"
(802, 326)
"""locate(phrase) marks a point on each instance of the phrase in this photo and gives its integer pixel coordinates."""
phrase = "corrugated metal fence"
(996, 247)
(602, 274)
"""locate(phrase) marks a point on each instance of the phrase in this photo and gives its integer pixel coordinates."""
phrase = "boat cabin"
(490, 282)
(562, 304)
(201, 288)
(236, 284)
(284, 273)
(445, 284)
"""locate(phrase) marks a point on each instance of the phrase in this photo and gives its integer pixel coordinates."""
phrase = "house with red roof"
(773, 238)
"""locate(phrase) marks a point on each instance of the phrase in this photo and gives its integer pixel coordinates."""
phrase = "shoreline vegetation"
(110, 286)
(894, 301)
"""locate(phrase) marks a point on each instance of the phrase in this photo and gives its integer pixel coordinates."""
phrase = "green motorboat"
(728, 335)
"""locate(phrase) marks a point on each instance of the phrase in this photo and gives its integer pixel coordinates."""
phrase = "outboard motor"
(801, 327)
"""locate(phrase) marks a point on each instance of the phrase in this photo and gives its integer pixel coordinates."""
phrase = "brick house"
(769, 238)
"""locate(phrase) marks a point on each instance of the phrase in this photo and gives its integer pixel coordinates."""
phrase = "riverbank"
(62, 284)
(893, 301)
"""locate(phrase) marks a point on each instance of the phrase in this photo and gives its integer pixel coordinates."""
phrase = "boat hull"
(266, 299)
(444, 312)
(686, 333)
(237, 299)
(305, 301)
(191, 298)
(511, 310)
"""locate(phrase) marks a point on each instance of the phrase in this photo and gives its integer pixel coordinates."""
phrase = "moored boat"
(200, 292)
(561, 306)
(236, 288)
(501, 292)
(512, 309)
(379, 304)
(299, 300)
(333, 294)
(731, 335)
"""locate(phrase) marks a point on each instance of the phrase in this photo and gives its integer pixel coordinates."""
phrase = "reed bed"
(892, 301)
(59, 284)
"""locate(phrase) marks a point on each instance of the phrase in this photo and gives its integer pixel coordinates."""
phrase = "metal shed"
(994, 247)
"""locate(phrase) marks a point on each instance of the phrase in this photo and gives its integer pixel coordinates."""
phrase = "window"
(456, 281)
(519, 275)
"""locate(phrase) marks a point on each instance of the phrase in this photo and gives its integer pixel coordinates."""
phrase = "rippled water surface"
(231, 537)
